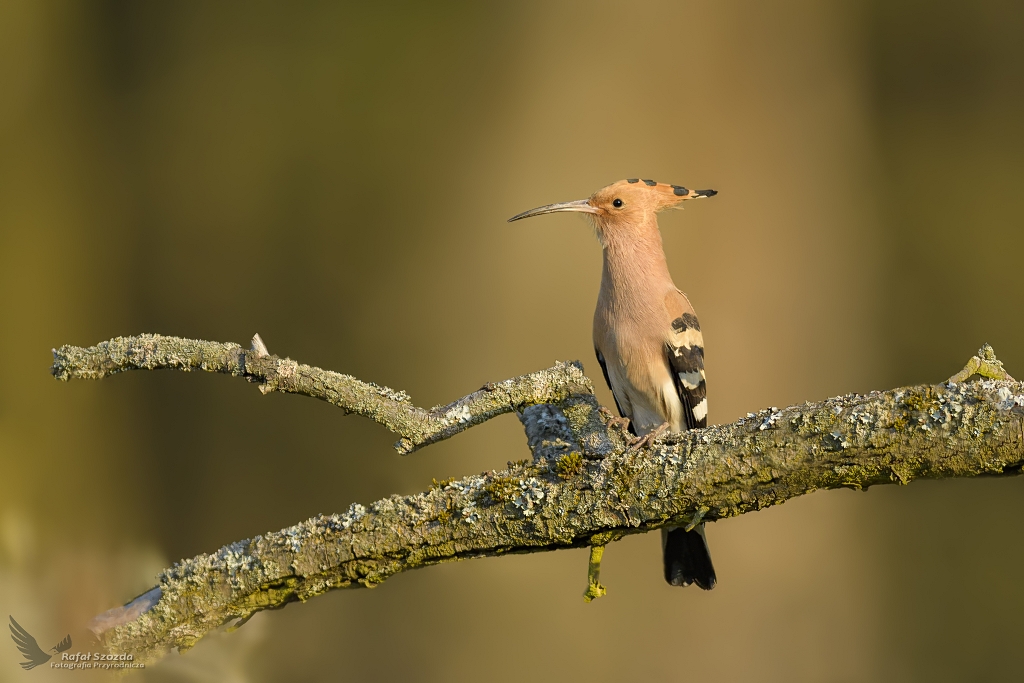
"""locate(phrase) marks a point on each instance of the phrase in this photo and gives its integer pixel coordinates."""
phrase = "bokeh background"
(336, 177)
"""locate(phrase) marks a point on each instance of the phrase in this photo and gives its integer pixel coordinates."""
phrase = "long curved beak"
(580, 205)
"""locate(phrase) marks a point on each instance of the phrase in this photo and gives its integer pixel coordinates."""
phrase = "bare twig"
(416, 426)
(584, 487)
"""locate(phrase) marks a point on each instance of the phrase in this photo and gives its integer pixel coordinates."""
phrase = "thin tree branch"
(586, 486)
(416, 426)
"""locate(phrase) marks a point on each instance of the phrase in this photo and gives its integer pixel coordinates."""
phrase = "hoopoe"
(647, 337)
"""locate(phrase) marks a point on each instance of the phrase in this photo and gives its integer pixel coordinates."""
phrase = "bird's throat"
(632, 267)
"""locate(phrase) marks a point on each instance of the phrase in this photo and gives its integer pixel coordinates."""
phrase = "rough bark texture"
(588, 483)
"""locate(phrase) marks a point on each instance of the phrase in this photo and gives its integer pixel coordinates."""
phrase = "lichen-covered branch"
(416, 426)
(588, 484)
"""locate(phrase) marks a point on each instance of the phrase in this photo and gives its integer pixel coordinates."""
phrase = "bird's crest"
(665, 194)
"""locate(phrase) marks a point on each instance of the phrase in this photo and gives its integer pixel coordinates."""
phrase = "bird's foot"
(649, 438)
(984, 364)
(614, 421)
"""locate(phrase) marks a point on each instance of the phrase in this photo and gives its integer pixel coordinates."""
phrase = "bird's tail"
(687, 558)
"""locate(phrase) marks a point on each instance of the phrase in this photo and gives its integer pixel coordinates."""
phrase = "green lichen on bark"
(610, 490)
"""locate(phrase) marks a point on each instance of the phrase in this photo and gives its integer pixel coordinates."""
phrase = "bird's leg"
(594, 587)
(650, 437)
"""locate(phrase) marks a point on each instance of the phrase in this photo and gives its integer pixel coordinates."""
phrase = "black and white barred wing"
(685, 353)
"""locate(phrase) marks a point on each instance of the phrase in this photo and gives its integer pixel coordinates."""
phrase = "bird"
(647, 337)
(30, 649)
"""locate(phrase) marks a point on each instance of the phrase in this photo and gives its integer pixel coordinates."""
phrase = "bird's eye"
(617, 203)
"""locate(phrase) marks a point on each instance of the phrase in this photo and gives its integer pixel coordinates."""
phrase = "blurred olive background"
(337, 176)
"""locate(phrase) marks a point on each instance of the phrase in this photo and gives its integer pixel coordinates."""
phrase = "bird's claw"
(614, 421)
(647, 439)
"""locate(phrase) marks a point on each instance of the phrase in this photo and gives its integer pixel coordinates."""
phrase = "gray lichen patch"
(145, 352)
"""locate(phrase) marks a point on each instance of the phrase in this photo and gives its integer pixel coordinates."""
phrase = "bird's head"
(631, 203)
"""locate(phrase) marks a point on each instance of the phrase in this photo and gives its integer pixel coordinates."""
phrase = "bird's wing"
(64, 644)
(685, 354)
(28, 646)
(608, 381)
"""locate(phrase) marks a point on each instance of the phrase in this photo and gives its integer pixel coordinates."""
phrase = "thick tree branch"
(585, 486)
